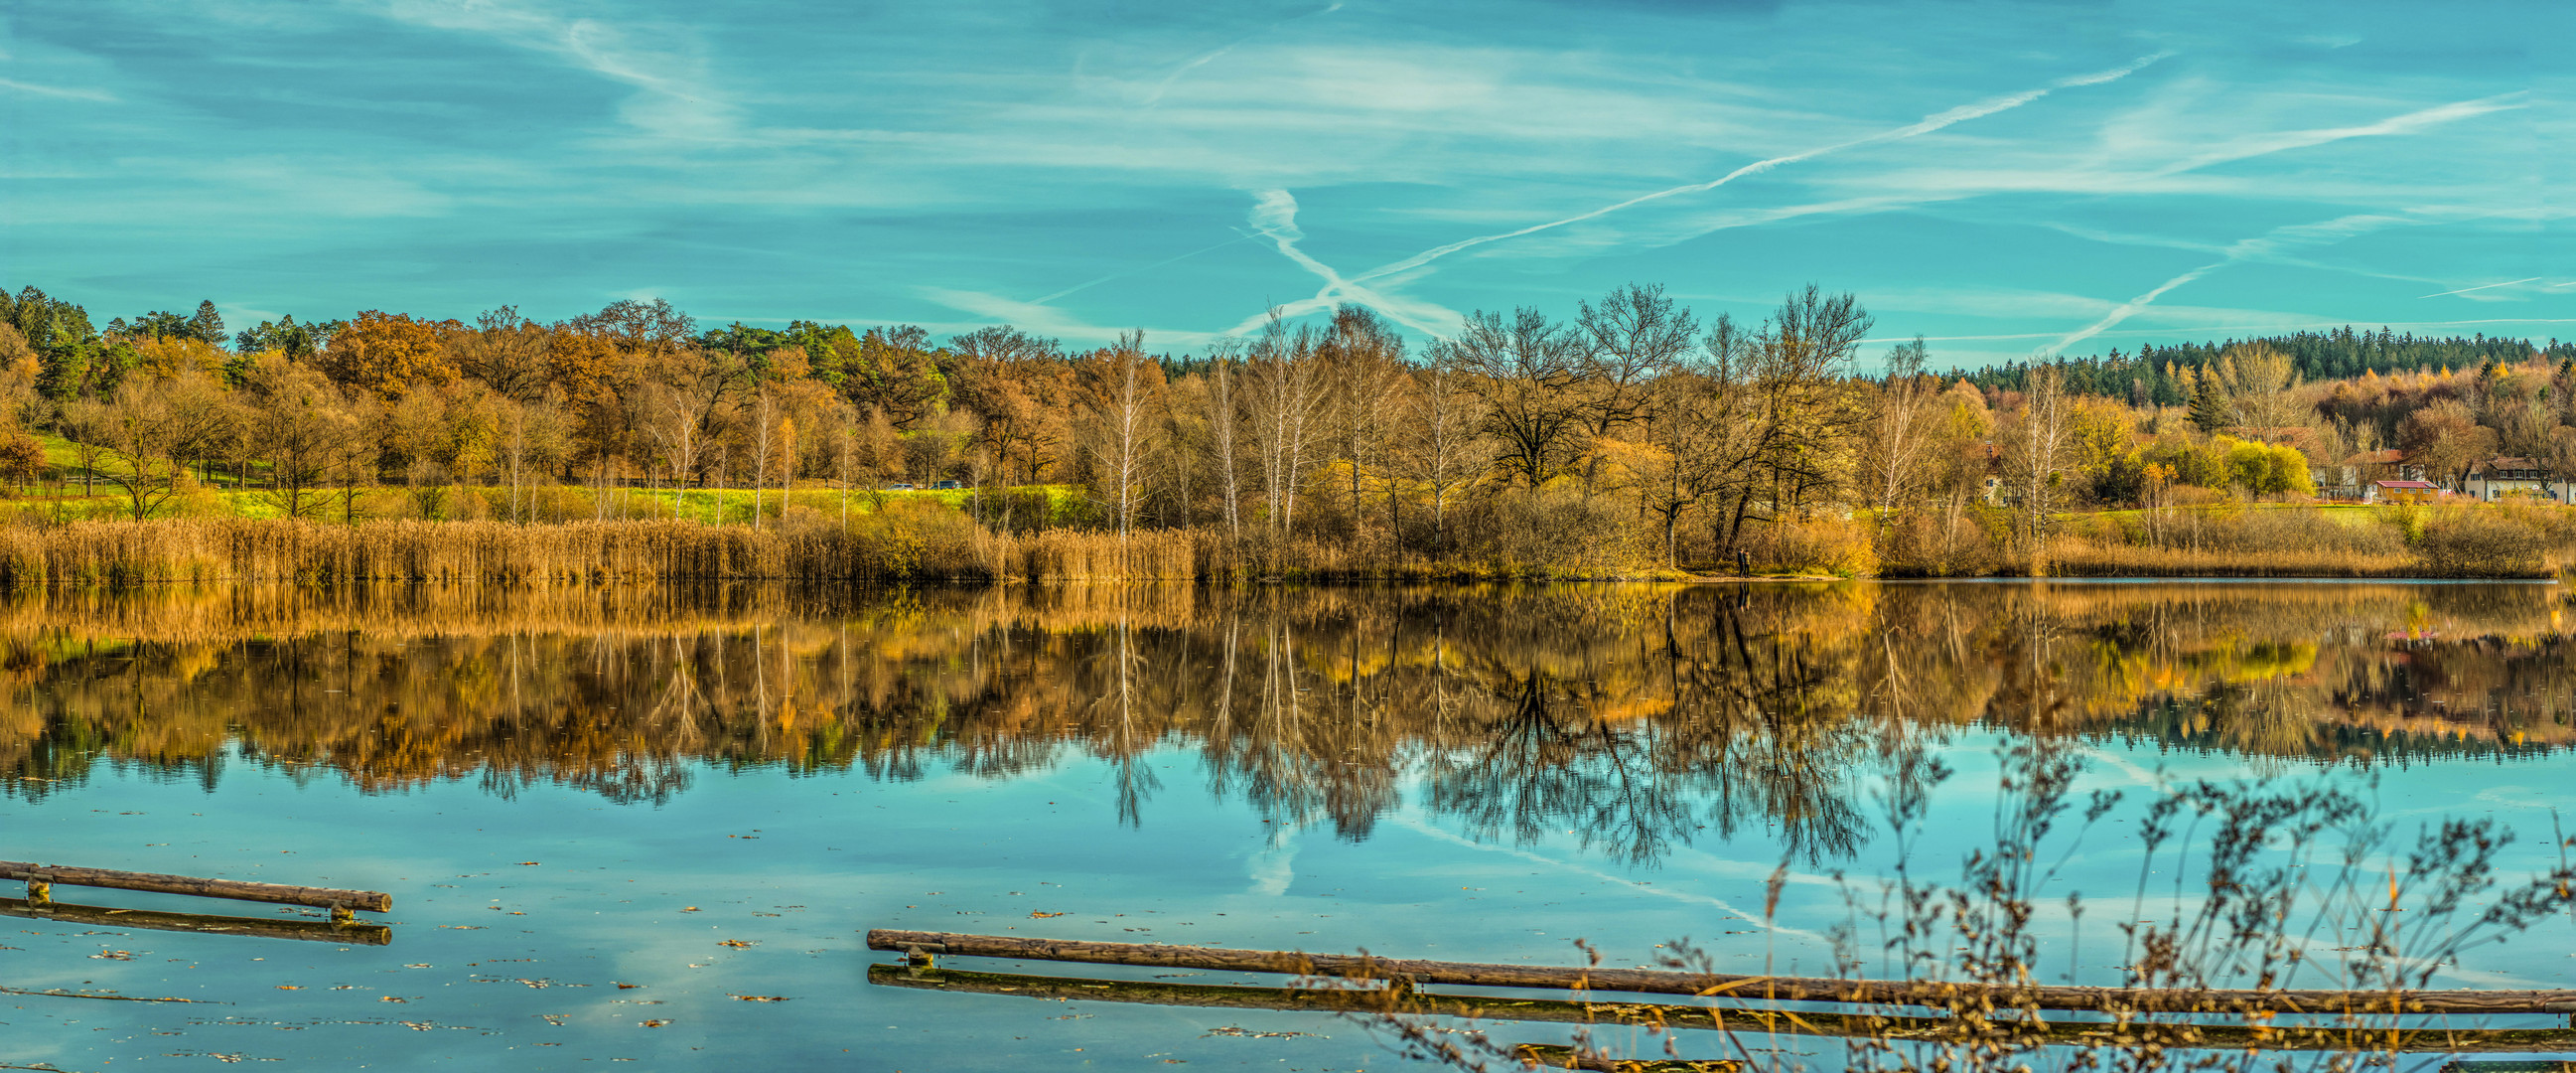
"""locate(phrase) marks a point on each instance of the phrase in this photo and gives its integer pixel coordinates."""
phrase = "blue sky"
(2002, 178)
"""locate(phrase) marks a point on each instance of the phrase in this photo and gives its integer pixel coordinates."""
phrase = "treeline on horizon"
(1632, 436)
(2154, 375)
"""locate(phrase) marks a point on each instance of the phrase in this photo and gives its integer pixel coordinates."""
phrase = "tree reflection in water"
(1633, 717)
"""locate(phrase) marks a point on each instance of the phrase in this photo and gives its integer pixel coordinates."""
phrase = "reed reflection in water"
(1638, 717)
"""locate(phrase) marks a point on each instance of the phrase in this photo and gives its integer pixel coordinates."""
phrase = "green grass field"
(224, 495)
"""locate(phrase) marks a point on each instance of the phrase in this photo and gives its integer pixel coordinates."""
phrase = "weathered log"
(1935, 994)
(1780, 1022)
(58, 993)
(320, 931)
(36, 875)
(1553, 1056)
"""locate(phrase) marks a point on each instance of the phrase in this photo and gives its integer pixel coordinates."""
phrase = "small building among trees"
(2495, 478)
(2401, 492)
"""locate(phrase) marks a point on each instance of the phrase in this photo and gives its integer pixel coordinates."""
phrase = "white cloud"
(676, 99)
(68, 93)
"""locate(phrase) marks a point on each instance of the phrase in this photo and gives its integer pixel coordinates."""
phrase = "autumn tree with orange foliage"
(390, 353)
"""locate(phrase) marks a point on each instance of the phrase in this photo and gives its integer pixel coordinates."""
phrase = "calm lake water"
(612, 820)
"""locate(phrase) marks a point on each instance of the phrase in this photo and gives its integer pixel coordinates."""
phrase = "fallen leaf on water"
(652, 1024)
(530, 862)
(1043, 916)
(689, 909)
(290, 987)
(738, 942)
(626, 987)
(760, 998)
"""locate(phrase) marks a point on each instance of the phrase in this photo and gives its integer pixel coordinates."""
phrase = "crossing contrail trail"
(1926, 125)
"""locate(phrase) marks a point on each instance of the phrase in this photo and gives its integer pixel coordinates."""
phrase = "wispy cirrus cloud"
(1046, 319)
(62, 93)
(808, 159)
(676, 99)
(1926, 125)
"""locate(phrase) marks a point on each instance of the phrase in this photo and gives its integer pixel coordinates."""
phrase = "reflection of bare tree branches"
(1535, 775)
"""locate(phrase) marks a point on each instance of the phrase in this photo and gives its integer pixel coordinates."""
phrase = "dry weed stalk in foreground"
(2274, 890)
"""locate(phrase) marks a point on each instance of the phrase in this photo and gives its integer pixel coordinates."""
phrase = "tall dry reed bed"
(928, 545)
(938, 544)
(239, 550)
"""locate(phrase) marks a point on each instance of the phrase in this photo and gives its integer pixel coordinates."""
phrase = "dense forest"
(1632, 435)
(2155, 375)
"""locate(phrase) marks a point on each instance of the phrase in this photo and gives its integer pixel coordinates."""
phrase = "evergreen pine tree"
(2209, 404)
(208, 324)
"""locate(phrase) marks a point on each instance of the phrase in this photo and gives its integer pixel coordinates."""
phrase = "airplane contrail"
(2480, 287)
(1132, 271)
(1926, 125)
(2261, 245)
(1274, 217)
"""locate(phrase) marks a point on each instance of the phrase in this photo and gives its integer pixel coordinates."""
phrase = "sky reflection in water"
(571, 790)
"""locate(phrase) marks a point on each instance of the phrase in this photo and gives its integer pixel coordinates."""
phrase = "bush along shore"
(934, 542)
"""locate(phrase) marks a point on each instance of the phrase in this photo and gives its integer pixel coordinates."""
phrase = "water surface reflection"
(1638, 717)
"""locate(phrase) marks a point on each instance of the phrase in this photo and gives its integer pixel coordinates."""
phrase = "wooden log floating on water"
(319, 931)
(41, 876)
(1554, 1056)
(2274, 1036)
(927, 944)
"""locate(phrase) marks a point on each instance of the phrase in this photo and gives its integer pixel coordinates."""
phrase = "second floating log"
(38, 876)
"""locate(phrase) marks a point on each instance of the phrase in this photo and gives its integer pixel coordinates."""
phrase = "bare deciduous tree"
(1120, 385)
(1283, 397)
(1631, 342)
(2039, 448)
(1529, 371)
(1224, 439)
(1445, 451)
(1896, 443)
(1363, 358)
(296, 420)
(154, 428)
(506, 351)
